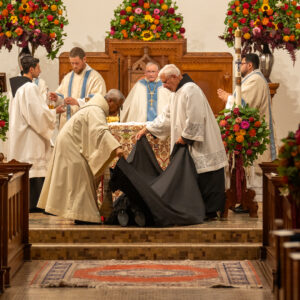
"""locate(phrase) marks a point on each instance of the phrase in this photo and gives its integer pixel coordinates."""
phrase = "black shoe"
(48, 214)
(36, 210)
(140, 218)
(210, 217)
(240, 210)
(123, 218)
(78, 222)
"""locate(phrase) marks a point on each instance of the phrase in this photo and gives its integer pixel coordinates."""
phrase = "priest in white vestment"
(31, 124)
(83, 149)
(78, 86)
(146, 99)
(188, 119)
(255, 92)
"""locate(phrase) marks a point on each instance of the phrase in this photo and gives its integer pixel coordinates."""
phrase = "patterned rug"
(113, 273)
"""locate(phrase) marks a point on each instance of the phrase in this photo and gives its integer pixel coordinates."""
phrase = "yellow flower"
(164, 7)
(230, 137)
(238, 9)
(1, 3)
(129, 9)
(152, 27)
(147, 35)
(131, 19)
(265, 7)
(31, 21)
(247, 36)
(53, 7)
(157, 35)
(275, 26)
(149, 18)
(286, 38)
(14, 19)
(24, 1)
(8, 34)
(239, 138)
(242, 132)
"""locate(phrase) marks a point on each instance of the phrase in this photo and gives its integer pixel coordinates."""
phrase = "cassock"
(256, 93)
(31, 124)
(189, 116)
(83, 149)
(79, 86)
(145, 101)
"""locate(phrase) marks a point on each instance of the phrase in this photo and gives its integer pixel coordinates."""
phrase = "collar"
(185, 79)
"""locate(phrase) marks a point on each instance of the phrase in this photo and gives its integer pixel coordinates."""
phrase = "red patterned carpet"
(114, 273)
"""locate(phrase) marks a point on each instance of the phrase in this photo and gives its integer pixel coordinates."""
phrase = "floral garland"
(147, 20)
(264, 22)
(3, 116)
(244, 133)
(289, 163)
(35, 22)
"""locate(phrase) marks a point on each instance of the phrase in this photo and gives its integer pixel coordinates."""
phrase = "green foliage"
(3, 116)
(244, 132)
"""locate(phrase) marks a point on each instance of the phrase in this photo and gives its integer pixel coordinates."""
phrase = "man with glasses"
(255, 93)
(146, 99)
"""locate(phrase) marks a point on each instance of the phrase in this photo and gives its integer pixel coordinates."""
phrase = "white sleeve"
(230, 102)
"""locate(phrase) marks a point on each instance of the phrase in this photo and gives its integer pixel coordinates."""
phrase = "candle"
(238, 61)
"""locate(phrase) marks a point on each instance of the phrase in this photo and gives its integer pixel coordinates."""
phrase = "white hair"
(114, 95)
(169, 70)
(151, 63)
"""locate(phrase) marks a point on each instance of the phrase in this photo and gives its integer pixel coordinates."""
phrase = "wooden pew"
(15, 247)
(295, 263)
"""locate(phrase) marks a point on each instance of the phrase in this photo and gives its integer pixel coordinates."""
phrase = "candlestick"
(238, 61)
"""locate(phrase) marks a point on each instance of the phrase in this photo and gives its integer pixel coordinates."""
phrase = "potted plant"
(34, 22)
(147, 20)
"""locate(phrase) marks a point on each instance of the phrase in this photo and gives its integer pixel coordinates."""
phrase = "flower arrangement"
(264, 23)
(3, 116)
(289, 163)
(244, 133)
(35, 22)
(147, 20)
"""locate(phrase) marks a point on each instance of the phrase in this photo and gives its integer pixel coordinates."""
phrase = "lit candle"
(238, 61)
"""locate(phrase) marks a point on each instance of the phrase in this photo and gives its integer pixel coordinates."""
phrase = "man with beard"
(255, 93)
(188, 119)
(77, 86)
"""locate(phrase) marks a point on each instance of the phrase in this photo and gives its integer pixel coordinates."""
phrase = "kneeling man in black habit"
(192, 188)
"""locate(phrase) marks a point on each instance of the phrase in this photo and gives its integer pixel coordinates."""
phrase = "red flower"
(236, 111)
(227, 132)
(61, 25)
(50, 18)
(246, 5)
(154, 1)
(141, 2)
(158, 29)
(227, 117)
(171, 10)
(230, 29)
(236, 127)
(253, 2)
(182, 30)
(256, 143)
(252, 132)
(249, 152)
(157, 17)
(229, 13)
(133, 4)
(9, 6)
(239, 147)
(243, 20)
(123, 12)
(257, 124)
(298, 7)
(2, 123)
(161, 1)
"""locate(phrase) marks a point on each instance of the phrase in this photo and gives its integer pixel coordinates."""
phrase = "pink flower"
(138, 11)
(252, 23)
(223, 123)
(236, 152)
(156, 11)
(286, 31)
(112, 32)
(245, 29)
(256, 31)
(236, 127)
(249, 152)
(245, 124)
(238, 120)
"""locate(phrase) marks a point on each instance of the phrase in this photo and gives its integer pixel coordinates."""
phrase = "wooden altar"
(210, 70)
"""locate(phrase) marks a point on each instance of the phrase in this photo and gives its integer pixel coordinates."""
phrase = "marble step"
(102, 235)
(153, 251)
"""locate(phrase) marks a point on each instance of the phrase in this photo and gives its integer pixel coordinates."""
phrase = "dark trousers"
(36, 184)
(212, 187)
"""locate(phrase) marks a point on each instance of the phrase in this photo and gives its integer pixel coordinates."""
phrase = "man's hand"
(52, 96)
(71, 101)
(141, 133)
(223, 95)
(119, 152)
(180, 141)
(60, 109)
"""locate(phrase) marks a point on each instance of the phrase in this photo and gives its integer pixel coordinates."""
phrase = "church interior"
(248, 255)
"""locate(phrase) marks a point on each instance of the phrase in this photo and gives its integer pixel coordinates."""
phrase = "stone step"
(142, 251)
(91, 234)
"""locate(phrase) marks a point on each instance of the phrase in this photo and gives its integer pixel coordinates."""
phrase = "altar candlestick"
(238, 61)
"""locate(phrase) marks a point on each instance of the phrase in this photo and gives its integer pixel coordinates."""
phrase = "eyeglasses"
(166, 81)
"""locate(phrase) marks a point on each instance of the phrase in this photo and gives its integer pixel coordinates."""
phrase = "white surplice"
(135, 106)
(94, 84)
(31, 124)
(189, 115)
(83, 149)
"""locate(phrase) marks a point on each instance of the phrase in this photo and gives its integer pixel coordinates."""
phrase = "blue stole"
(272, 139)
(152, 95)
(36, 81)
(83, 90)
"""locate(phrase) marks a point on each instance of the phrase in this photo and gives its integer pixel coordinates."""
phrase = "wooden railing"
(281, 243)
(14, 219)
